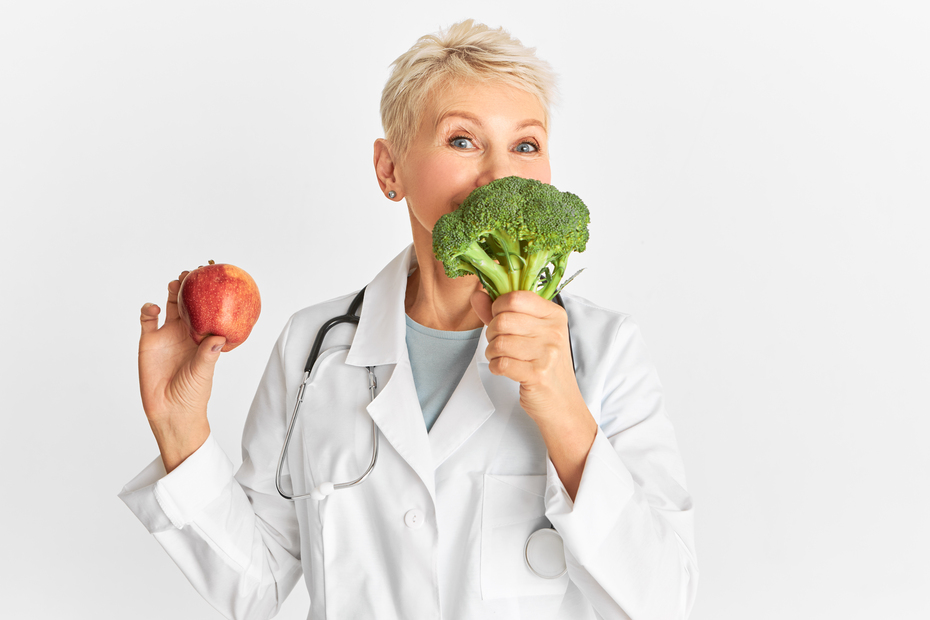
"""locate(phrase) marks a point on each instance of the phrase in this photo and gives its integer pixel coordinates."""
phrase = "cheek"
(541, 171)
(443, 182)
(434, 189)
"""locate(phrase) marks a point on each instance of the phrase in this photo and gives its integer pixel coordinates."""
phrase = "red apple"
(219, 300)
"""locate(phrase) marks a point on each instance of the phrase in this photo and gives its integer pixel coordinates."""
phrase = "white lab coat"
(438, 529)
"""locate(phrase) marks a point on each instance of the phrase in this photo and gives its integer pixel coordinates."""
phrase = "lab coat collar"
(382, 329)
(381, 335)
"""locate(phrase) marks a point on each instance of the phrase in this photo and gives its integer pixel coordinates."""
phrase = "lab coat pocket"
(513, 509)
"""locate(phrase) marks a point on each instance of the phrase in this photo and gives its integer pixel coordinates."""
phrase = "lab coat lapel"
(468, 408)
(380, 341)
(396, 411)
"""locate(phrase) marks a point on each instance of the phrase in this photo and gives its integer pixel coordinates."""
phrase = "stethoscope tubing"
(327, 488)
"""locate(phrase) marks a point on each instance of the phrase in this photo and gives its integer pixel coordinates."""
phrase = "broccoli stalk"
(536, 274)
(493, 276)
(514, 234)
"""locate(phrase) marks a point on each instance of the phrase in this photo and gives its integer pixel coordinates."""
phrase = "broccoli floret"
(514, 234)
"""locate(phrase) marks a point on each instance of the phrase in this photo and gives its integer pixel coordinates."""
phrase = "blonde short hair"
(469, 51)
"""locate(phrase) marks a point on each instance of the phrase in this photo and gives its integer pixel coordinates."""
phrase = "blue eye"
(526, 147)
(461, 143)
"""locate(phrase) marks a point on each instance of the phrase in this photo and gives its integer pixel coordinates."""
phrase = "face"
(470, 135)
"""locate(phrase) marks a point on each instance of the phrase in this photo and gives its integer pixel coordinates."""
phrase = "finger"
(507, 345)
(205, 359)
(526, 338)
(517, 324)
(481, 303)
(149, 318)
(521, 371)
(525, 302)
(172, 305)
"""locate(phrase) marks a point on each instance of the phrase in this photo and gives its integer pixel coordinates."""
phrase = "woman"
(523, 442)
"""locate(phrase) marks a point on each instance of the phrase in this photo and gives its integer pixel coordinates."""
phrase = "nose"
(494, 165)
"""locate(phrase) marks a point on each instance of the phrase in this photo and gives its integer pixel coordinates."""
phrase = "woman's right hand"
(175, 378)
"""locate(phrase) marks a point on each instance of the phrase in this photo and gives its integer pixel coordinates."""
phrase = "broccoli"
(514, 234)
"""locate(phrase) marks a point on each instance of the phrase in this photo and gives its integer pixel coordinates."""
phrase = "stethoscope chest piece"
(545, 554)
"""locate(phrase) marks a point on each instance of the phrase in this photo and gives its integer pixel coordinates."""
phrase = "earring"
(392, 194)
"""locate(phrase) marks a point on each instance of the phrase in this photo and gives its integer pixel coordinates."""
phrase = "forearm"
(238, 551)
(568, 440)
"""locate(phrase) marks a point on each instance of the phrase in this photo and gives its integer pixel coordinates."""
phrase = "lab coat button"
(414, 519)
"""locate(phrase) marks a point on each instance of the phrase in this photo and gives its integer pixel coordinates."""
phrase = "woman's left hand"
(528, 342)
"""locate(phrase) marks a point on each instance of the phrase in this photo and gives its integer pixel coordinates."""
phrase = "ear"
(385, 168)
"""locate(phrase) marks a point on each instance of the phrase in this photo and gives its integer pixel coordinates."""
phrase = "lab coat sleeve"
(628, 536)
(236, 543)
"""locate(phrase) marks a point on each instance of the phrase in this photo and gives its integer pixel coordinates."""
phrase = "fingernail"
(217, 348)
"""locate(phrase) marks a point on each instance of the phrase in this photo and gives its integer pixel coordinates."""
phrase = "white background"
(758, 176)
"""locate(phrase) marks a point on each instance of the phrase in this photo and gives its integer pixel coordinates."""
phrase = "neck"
(436, 301)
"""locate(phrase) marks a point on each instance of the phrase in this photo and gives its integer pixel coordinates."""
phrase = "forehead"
(482, 102)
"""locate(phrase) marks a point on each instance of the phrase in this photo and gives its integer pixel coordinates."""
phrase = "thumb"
(207, 353)
(481, 302)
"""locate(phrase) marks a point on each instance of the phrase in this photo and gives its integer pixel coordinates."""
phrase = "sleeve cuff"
(162, 501)
(605, 489)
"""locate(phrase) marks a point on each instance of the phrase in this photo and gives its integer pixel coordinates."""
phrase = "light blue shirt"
(438, 360)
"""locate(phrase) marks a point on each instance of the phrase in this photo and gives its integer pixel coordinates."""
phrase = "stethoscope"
(322, 491)
(543, 549)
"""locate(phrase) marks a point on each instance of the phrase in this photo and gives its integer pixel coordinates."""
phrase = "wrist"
(569, 433)
(175, 445)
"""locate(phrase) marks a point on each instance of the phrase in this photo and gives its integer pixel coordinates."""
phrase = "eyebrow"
(531, 122)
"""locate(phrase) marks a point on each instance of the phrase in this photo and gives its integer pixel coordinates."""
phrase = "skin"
(471, 134)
